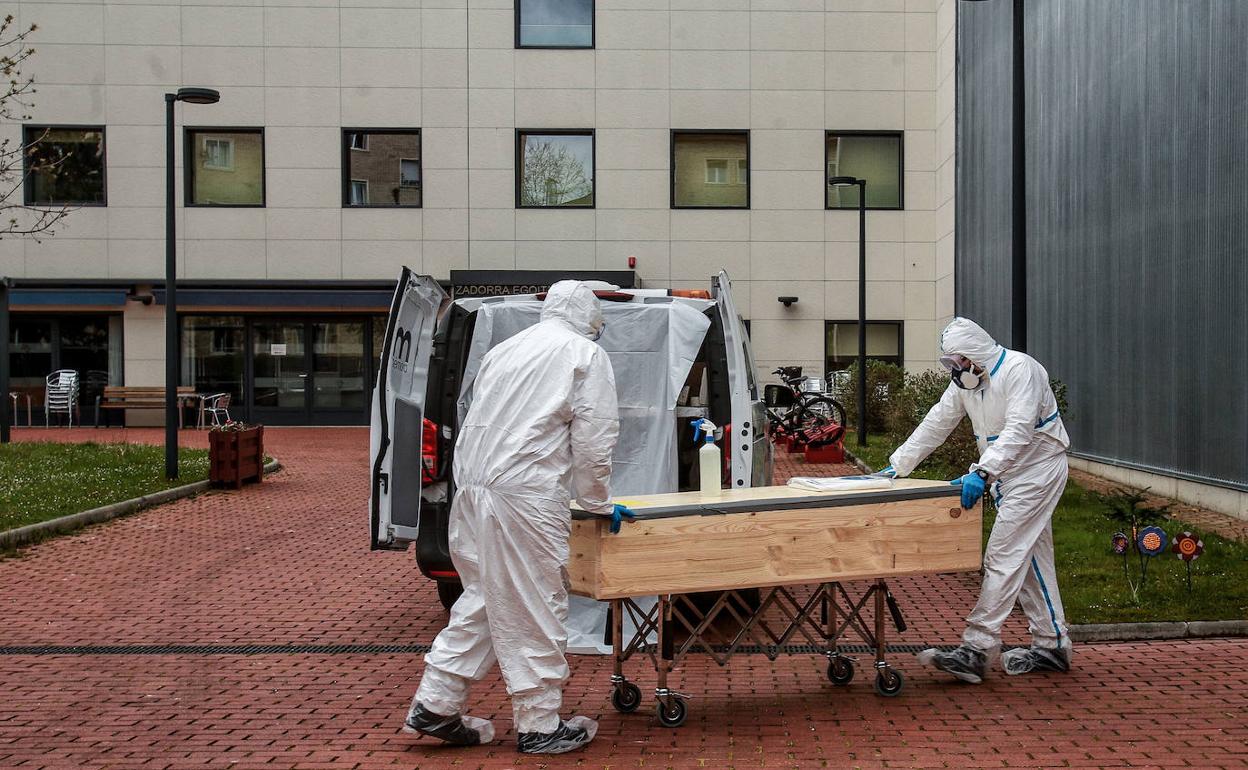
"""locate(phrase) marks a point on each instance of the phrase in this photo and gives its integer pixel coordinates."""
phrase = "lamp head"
(787, 301)
(844, 181)
(198, 95)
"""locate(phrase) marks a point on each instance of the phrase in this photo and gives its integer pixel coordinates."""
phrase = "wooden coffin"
(688, 542)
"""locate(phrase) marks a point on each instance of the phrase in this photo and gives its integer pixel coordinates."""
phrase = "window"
(225, 167)
(409, 172)
(41, 344)
(218, 154)
(64, 165)
(555, 24)
(212, 355)
(556, 169)
(716, 171)
(381, 167)
(710, 169)
(874, 156)
(883, 343)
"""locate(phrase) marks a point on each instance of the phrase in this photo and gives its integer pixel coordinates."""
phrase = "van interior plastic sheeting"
(643, 340)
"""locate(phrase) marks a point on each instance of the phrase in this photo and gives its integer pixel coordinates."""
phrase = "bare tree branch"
(19, 162)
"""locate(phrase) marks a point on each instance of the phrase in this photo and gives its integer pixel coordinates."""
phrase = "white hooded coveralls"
(543, 419)
(1022, 446)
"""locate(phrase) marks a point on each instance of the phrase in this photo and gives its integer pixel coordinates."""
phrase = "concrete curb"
(1136, 632)
(1142, 632)
(859, 464)
(31, 533)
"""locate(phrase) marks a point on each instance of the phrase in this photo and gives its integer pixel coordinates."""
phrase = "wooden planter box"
(235, 457)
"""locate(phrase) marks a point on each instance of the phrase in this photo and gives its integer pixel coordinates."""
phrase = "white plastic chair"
(60, 396)
(216, 405)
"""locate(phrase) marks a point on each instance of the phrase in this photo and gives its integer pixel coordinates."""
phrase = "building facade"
(352, 138)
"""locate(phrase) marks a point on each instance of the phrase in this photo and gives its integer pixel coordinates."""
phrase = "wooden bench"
(139, 397)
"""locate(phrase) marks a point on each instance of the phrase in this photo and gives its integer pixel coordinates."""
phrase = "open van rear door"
(740, 383)
(398, 411)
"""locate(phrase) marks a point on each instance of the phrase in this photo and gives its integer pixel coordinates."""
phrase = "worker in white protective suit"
(1022, 447)
(543, 416)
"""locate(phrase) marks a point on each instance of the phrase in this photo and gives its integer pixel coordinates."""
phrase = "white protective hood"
(652, 347)
(964, 337)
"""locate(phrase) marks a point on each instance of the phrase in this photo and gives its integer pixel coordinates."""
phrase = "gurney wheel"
(674, 714)
(626, 698)
(840, 670)
(889, 682)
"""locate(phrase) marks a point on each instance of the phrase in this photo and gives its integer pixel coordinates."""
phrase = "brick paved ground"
(287, 563)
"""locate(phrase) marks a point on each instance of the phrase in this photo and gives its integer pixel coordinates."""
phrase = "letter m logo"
(402, 344)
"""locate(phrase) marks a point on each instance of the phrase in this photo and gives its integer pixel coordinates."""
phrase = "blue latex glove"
(972, 489)
(888, 472)
(618, 515)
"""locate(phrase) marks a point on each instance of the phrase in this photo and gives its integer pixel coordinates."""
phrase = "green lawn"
(1090, 575)
(41, 481)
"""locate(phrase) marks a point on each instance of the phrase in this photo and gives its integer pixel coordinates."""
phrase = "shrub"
(908, 407)
(883, 380)
(898, 401)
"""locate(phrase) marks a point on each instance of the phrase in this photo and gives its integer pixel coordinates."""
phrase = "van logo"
(403, 341)
(403, 347)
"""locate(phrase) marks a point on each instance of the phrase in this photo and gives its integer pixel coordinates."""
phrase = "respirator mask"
(598, 334)
(964, 373)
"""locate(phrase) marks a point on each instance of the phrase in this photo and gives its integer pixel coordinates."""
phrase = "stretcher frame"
(822, 619)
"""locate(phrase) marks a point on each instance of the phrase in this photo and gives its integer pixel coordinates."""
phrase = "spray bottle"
(708, 456)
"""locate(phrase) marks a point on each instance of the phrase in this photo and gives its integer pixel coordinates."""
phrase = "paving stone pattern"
(287, 563)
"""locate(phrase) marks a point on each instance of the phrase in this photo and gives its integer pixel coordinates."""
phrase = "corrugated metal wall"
(982, 271)
(1137, 177)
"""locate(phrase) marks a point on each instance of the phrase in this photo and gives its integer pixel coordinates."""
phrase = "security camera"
(788, 301)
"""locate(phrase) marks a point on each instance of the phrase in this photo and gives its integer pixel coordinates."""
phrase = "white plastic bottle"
(709, 461)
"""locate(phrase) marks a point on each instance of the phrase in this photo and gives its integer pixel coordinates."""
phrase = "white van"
(677, 355)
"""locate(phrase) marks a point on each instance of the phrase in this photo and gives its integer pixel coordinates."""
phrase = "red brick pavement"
(287, 562)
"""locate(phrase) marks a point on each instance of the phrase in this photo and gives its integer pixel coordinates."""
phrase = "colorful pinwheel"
(1189, 550)
(1152, 541)
(1188, 547)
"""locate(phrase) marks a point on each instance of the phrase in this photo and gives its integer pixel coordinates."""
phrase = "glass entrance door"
(338, 386)
(280, 372)
(310, 371)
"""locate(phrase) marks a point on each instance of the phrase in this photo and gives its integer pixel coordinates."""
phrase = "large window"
(381, 167)
(64, 165)
(212, 355)
(883, 343)
(87, 343)
(556, 169)
(225, 167)
(710, 169)
(874, 156)
(555, 23)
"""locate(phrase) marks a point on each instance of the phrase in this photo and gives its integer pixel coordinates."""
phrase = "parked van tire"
(448, 592)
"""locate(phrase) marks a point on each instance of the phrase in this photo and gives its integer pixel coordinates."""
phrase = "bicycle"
(794, 411)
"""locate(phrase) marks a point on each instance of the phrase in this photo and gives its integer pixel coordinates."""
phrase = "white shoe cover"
(590, 726)
(484, 727)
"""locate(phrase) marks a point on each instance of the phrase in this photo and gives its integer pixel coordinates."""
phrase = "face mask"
(966, 379)
(598, 334)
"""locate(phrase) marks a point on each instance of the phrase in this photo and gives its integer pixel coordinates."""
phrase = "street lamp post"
(850, 181)
(191, 96)
(5, 418)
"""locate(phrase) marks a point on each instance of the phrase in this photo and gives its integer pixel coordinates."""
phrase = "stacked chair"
(61, 396)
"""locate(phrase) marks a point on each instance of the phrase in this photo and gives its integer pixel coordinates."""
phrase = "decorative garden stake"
(1189, 550)
(1151, 541)
(1121, 544)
